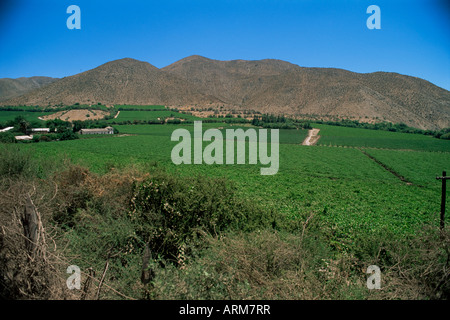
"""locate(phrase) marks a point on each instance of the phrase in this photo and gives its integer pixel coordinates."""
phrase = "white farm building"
(107, 130)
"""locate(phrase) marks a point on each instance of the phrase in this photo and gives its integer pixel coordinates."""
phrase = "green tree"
(21, 124)
(67, 134)
(7, 137)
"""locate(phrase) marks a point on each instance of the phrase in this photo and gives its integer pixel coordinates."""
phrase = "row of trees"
(279, 122)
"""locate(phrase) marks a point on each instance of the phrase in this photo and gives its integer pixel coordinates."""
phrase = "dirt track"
(312, 137)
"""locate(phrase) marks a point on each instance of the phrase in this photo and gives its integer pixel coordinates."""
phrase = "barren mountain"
(10, 88)
(226, 80)
(117, 82)
(275, 86)
(271, 86)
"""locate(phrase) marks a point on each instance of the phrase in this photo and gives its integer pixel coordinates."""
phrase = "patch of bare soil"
(73, 115)
(206, 113)
(312, 137)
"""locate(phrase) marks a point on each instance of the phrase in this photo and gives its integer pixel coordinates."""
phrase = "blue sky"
(414, 38)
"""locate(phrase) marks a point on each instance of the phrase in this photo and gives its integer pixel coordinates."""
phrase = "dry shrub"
(28, 273)
(260, 265)
(79, 189)
(420, 268)
(278, 266)
(115, 186)
(61, 198)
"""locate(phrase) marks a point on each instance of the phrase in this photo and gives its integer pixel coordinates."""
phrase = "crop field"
(139, 107)
(285, 136)
(349, 204)
(356, 137)
(28, 115)
(341, 185)
(150, 115)
(418, 167)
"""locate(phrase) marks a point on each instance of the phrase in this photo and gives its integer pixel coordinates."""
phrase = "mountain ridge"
(11, 88)
(267, 85)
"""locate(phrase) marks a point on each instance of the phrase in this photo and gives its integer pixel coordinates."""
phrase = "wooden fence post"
(444, 179)
(146, 274)
(30, 224)
(87, 284)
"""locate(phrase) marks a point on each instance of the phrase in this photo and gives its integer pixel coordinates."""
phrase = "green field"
(285, 137)
(358, 198)
(150, 115)
(140, 107)
(29, 116)
(419, 167)
(355, 137)
(355, 192)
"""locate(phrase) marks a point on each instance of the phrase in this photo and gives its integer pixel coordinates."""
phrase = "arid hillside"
(276, 86)
(117, 82)
(10, 88)
(269, 86)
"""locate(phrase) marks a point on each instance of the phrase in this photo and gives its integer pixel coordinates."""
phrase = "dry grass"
(40, 273)
(28, 273)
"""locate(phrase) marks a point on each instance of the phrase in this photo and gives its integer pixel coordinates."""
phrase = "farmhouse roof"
(6, 129)
(24, 137)
(97, 130)
(41, 129)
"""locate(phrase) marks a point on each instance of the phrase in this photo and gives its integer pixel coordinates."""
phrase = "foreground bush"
(173, 211)
(7, 137)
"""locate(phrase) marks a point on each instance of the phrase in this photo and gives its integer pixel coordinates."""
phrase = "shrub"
(446, 136)
(7, 137)
(14, 162)
(175, 211)
(67, 135)
(45, 138)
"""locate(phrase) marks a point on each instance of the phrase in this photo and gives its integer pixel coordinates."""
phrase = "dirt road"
(312, 137)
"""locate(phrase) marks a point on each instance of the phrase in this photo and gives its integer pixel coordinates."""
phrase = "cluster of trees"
(77, 125)
(279, 122)
(7, 137)
(59, 130)
(443, 134)
(20, 124)
(60, 136)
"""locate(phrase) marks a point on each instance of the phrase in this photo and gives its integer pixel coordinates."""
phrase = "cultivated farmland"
(358, 197)
(29, 116)
(342, 185)
(125, 115)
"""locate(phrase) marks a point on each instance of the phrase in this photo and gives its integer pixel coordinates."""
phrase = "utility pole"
(444, 179)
